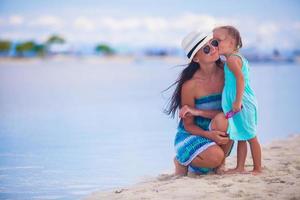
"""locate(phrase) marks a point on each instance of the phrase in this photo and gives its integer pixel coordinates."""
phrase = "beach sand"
(280, 180)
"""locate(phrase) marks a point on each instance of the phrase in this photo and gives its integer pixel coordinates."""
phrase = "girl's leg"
(241, 155)
(256, 155)
(180, 170)
(241, 158)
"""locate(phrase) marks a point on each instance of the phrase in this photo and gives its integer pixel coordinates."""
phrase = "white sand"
(279, 180)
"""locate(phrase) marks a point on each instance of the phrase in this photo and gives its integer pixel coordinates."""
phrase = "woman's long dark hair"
(186, 74)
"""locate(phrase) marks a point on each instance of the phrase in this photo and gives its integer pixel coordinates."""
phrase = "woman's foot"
(220, 170)
(237, 171)
(180, 170)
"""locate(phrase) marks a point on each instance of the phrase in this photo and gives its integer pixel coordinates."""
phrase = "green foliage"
(30, 46)
(40, 49)
(105, 49)
(55, 39)
(25, 46)
(5, 45)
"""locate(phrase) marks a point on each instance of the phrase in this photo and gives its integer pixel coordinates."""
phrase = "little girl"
(237, 97)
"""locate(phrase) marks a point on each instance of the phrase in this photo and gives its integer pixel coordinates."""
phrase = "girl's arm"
(235, 65)
(188, 98)
(187, 110)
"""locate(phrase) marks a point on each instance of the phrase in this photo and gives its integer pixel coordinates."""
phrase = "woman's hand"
(187, 110)
(236, 106)
(219, 137)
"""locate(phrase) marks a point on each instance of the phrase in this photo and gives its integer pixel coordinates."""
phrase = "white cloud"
(154, 30)
(110, 23)
(202, 22)
(84, 24)
(193, 21)
(155, 23)
(16, 35)
(148, 30)
(16, 20)
(47, 21)
(267, 29)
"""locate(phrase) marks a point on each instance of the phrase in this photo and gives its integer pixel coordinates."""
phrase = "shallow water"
(70, 127)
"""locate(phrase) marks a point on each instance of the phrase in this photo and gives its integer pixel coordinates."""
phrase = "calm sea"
(71, 127)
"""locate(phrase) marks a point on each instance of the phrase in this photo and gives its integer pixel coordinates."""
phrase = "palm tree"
(105, 49)
(55, 39)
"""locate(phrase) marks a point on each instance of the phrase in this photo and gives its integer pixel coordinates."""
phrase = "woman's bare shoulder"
(189, 85)
(220, 71)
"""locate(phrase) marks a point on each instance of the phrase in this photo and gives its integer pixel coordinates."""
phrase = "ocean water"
(71, 127)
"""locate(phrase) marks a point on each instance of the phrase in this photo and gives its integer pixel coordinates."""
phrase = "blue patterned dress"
(188, 146)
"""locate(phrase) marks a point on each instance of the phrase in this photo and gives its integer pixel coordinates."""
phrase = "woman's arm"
(187, 110)
(187, 98)
(235, 65)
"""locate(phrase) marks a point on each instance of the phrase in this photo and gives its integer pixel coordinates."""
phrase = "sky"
(264, 24)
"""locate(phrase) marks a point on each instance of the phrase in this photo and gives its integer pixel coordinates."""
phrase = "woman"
(200, 142)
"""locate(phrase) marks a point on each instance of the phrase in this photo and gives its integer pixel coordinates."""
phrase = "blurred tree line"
(41, 49)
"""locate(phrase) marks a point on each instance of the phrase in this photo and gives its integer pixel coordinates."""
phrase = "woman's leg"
(212, 157)
(256, 155)
(180, 170)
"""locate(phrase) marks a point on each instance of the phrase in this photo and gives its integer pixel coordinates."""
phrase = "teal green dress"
(241, 126)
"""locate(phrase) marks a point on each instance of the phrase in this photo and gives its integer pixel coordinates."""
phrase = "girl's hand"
(236, 106)
(219, 137)
(184, 111)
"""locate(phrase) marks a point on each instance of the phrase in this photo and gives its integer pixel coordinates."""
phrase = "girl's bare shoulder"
(234, 60)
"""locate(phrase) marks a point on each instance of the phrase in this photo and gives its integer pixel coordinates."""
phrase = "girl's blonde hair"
(234, 33)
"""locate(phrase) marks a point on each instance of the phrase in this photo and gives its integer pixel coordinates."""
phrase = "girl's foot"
(180, 170)
(237, 171)
(256, 172)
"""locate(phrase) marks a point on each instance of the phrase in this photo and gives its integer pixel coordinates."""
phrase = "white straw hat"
(194, 41)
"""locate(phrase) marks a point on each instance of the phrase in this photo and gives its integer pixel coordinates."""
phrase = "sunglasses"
(213, 43)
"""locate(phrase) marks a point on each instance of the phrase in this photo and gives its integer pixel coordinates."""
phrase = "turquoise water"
(71, 127)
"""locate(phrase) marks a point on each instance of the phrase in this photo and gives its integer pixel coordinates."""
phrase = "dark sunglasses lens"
(214, 43)
(206, 49)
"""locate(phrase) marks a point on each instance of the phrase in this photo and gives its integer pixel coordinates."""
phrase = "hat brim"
(207, 39)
